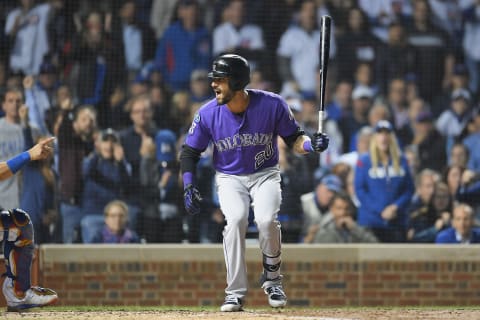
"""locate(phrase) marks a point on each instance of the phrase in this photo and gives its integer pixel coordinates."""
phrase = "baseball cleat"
(276, 296)
(232, 304)
(33, 298)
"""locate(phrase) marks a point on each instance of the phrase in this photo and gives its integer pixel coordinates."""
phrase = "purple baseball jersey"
(245, 143)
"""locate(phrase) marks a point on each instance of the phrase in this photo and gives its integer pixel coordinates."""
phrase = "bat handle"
(321, 117)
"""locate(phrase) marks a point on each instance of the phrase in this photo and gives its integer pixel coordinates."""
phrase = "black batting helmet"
(233, 67)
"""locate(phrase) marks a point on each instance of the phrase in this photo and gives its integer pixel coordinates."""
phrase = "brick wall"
(315, 275)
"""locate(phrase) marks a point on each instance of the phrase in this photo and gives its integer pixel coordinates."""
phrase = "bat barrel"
(326, 22)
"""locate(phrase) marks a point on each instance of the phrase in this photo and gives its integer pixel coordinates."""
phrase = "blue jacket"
(376, 189)
(104, 181)
(448, 236)
(179, 52)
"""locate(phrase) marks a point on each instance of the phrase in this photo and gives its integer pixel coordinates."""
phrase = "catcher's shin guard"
(18, 247)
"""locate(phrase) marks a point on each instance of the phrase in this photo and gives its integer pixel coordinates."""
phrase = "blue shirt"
(376, 188)
(246, 143)
(451, 236)
(179, 52)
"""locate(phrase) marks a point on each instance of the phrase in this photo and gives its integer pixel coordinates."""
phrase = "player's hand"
(320, 142)
(192, 199)
(42, 150)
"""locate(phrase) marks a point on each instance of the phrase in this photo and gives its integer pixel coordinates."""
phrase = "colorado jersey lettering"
(245, 143)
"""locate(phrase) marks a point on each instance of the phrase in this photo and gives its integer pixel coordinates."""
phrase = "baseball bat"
(326, 23)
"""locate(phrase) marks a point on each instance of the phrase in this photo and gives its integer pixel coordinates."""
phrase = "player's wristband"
(187, 179)
(307, 146)
(17, 162)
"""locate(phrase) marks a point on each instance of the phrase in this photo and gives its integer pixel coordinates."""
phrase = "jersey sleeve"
(198, 135)
(287, 125)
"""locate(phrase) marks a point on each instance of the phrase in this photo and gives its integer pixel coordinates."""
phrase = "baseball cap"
(47, 68)
(383, 125)
(108, 134)
(332, 182)
(362, 92)
(165, 141)
(424, 116)
(461, 94)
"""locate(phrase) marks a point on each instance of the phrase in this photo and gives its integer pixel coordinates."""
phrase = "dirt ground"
(286, 314)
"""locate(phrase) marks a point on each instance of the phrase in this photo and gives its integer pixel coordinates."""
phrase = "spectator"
(420, 213)
(94, 56)
(471, 15)
(26, 28)
(75, 142)
(113, 114)
(105, 175)
(397, 103)
(295, 175)
(234, 35)
(458, 80)
(428, 222)
(459, 155)
(397, 57)
(16, 136)
(453, 121)
(472, 141)
(384, 12)
(434, 58)
(162, 221)
(384, 186)
(181, 112)
(447, 15)
(161, 15)
(315, 205)
(161, 106)
(350, 124)
(298, 52)
(341, 102)
(115, 229)
(355, 46)
(469, 189)
(200, 90)
(453, 177)
(184, 47)
(133, 39)
(462, 230)
(342, 227)
(138, 142)
(363, 141)
(428, 143)
(363, 76)
(39, 198)
(40, 96)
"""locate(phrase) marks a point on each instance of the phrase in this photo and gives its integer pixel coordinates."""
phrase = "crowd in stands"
(118, 82)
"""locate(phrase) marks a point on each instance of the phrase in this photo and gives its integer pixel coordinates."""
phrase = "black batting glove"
(192, 199)
(320, 142)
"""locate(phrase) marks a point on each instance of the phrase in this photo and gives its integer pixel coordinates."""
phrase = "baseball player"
(243, 126)
(18, 243)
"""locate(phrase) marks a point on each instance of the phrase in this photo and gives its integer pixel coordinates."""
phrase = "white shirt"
(132, 39)
(303, 50)
(471, 37)
(226, 36)
(31, 41)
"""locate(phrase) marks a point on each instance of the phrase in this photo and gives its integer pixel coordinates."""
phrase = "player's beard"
(226, 97)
